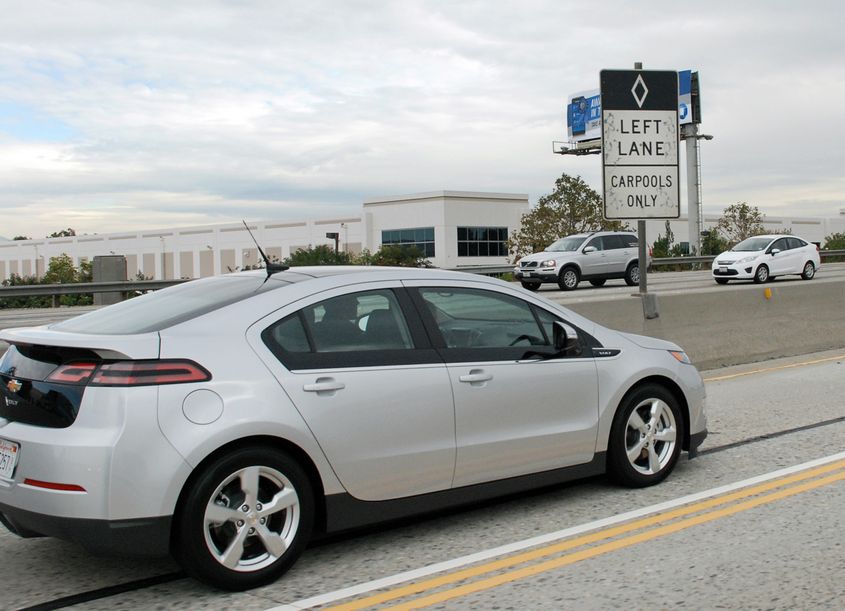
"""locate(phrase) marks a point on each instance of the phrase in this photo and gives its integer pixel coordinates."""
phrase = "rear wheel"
(599, 282)
(721, 280)
(761, 275)
(646, 437)
(245, 520)
(568, 279)
(809, 271)
(632, 274)
(530, 286)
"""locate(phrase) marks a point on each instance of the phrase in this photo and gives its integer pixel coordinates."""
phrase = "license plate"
(8, 458)
(723, 269)
(526, 274)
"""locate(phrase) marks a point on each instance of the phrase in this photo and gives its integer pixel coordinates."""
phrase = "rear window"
(167, 307)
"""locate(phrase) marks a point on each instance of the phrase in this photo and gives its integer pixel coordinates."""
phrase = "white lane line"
(450, 565)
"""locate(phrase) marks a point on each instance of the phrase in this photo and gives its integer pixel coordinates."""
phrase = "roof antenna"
(271, 267)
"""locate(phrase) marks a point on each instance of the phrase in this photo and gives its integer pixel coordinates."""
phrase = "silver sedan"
(228, 420)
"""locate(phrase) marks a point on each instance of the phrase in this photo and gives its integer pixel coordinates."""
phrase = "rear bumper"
(147, 537)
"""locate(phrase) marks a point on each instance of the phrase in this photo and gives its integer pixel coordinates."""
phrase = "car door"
(616, 255)
(779, 262)
(593, 263)
(376, 395)
(797, 255)
(514, 413)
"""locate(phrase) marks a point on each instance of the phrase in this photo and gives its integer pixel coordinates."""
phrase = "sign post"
(640, 149)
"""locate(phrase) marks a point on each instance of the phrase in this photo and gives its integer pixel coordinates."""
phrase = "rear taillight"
(130, 373)
(72, 373)
(148, 373)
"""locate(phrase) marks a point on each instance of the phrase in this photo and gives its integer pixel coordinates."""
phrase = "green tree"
(662, 245)
(63, 233)
(573, 207)
(317, 255)
(712, 243)
(21, 237)
(835, 241)
(401, 256)
(23, 302)
(61, 270)
(740, 221)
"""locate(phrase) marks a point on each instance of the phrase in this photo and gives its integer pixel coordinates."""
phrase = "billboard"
(583, 116)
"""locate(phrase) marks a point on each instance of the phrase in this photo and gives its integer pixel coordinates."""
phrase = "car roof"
(374, 272)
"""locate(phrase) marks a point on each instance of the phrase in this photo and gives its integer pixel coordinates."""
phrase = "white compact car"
(764, 257)
(228, 420)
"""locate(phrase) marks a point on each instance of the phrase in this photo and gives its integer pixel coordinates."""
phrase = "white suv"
(597, 256)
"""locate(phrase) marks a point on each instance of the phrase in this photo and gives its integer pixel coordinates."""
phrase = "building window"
(482, 241)
(421, 237)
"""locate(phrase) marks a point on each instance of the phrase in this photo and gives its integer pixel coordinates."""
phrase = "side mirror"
(589, 249)
(775, 251)
(566, 339)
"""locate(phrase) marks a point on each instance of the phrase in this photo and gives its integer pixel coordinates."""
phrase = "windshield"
(161, 309)
(752, 244)
(569, 244)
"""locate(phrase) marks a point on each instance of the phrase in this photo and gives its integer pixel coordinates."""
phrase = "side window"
(480, 319)
(595, 243)
(613, 242)
(779, 244)
(795, 243)
(349, 330)
(628, 240)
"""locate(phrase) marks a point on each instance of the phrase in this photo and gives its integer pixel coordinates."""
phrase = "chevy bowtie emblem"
(14, 386)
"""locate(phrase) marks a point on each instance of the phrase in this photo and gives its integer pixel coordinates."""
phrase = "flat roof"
(522, 197)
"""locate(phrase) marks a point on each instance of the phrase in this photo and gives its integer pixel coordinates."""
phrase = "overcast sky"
(128, 115)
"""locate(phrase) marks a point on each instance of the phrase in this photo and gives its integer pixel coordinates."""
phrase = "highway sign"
(640, 144)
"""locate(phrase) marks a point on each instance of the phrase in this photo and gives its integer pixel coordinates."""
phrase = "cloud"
(158, 114)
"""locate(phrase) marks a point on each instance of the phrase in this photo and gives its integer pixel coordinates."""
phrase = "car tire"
(530, 286)
(721, 280)
(646, 437)
(599, 282)
(809, 271)
(762, 274)
(257, 501)
(632, 274)
(569, 278)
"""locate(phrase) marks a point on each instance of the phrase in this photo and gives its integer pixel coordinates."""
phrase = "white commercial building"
(453, 229)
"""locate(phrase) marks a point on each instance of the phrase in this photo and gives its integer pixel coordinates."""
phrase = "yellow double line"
(547, 558)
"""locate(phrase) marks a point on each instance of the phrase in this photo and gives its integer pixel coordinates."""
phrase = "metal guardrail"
(46, 290)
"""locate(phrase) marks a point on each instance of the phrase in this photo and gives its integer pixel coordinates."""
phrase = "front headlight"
(747, 259)
(681, 356)
(549, 263)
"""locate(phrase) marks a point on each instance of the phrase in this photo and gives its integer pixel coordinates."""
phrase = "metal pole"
(690, 132)
(641, 237)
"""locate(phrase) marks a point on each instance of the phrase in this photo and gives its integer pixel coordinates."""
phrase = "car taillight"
(72, 373)
(650, 251)
(149, 373)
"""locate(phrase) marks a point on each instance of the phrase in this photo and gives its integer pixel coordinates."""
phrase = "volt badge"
(14, 386)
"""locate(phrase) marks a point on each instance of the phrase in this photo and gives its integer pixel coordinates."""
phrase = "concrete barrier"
(741, 324)
(732, 325)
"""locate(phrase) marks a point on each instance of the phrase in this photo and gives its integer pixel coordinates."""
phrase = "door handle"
(476, 376)
(326, 385)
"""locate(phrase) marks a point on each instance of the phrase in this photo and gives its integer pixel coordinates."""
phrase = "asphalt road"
(781, 547)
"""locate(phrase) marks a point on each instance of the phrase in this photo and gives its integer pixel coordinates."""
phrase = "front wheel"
(632, 274)
(761, 275)
(568, 279)
(646, 437)
(245, 520)
(809, 271)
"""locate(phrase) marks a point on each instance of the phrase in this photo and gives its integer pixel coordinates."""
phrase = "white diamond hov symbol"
(639, 85)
